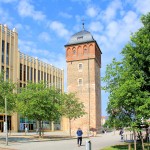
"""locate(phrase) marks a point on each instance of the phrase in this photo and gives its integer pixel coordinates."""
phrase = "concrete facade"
(20, 68)
(83, 78)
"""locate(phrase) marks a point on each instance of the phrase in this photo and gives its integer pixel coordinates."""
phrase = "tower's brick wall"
(89, 91)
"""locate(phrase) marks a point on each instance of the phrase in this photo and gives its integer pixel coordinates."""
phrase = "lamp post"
(6, 121)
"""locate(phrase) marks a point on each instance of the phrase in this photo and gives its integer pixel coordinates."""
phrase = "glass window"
(2, 68)
(80, 82)
(7, 54)
(27, 73)
(34, 75)
(3, 47)
(7, 73)
(31, 74)
(24, 72)
(44, 76)
(39, 75)
(20, 71)
(80, 66)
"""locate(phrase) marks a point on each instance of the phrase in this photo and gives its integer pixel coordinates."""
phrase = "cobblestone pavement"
(56, 141)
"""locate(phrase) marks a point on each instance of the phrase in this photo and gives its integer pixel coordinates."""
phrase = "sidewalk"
(56, 141)
(33, 136)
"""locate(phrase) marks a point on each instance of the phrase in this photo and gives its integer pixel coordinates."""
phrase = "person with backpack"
(79, 136)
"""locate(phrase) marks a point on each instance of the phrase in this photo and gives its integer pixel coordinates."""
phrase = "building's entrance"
(2, 120)
(25, 122)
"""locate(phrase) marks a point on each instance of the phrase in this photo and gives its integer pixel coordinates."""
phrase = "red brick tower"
(83, 57)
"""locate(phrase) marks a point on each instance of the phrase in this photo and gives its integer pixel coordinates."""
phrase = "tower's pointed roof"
(80, 37)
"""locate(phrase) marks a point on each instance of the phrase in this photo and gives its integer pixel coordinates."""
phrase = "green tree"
(72, 108)
(40, 103)
(128, 80)
(6, 91)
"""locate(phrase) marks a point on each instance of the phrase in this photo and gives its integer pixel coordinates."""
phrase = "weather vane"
(83, 23)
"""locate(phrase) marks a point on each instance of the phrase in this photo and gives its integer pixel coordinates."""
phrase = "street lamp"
(6, 121)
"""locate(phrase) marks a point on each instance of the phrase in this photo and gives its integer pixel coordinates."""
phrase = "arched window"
(85, 51)
(74, 51)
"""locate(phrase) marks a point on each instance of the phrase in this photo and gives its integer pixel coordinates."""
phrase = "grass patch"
(117, 147)
(125, 147)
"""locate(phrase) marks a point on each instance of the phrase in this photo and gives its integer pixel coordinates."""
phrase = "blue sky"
(45, 26)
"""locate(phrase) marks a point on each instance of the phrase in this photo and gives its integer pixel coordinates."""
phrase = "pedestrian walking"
(26, 129)
(121, 133)
(79, 137)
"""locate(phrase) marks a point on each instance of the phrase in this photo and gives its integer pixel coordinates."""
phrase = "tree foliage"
(38, 102)
(72, 108)
(6, 91)
(128, 80)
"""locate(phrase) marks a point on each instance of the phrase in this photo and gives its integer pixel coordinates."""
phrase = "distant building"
(83, 57)
(21, 68)
(103, 120)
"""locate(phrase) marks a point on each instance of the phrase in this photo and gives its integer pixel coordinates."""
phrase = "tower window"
(80, 82)
(79, 37)
(80, 67)
(85, 51)
(74, 51)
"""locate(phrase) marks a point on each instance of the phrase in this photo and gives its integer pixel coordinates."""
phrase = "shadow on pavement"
(34, 138)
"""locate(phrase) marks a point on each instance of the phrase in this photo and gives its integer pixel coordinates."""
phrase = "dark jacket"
(121, 132)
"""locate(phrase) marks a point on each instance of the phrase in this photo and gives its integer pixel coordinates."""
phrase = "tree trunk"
(134, 133)
(39, 128)
(142, 142)
(70, 127)
(141, 137)
(114, 128)
(147, 135)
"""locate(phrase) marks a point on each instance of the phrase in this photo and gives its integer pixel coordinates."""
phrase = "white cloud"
(115, 36)
(5, 18)
(142, 6)
(26, 46)
(44, 36)
(96, 26)
(65, 15)
(112, 29)
(30, 47)
(111, 11)
(131, 20)
(92, 11)
(19, 26)
(25, 9)
(60, 29)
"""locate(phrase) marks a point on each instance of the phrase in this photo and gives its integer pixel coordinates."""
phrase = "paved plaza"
(56, 141)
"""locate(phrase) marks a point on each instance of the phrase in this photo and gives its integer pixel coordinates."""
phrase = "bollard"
(88, 145)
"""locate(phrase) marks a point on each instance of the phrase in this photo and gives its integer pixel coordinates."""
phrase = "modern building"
(83, 57)
(21, 68)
